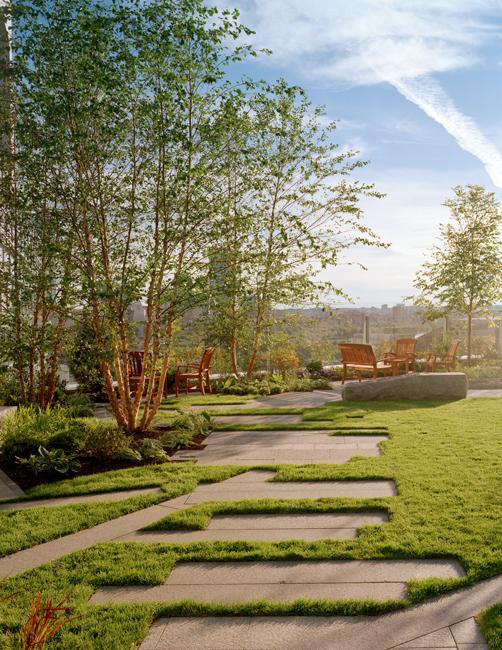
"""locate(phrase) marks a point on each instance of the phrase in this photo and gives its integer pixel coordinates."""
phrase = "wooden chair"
(135, 368)
(360, 357)
(405, 352)
(449, 361)
(200, 372)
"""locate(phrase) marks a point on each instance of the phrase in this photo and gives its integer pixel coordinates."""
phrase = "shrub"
(314, 368)
(79, 406)
(24, 431)
(185, 428)
(270, 385)
(56, 460)
(103, 439)
(128, 454)
(10, 390)
(84, 360)
(151, 449)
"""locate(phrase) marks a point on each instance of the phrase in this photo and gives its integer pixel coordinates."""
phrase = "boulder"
(415, 386)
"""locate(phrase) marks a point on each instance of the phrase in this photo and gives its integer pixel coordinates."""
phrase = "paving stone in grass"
(66, 501)
(257, 419)
(281, 447)
(285, 581)
(269, 527)
(420, 625)
(292, 490)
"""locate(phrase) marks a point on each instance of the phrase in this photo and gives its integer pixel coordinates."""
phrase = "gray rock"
(416, 386)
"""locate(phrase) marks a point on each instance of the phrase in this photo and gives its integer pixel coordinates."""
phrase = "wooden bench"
(361, 358)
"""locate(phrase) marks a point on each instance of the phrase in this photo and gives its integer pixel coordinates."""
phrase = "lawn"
(446, 459)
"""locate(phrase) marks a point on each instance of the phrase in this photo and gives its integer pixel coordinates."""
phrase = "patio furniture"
(135, 368)
(448, 361)
(361, 358)
(198, 372)
(405, 353)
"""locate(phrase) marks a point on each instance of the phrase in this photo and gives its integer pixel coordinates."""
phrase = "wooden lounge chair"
(198, 372)
(448, 361)
(135, 368)
(405, 353)
(361, 358)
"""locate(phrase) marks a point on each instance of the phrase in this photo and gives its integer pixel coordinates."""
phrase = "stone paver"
(269, 527)
(486, 392)
(281, 447)
(84, 498)
(9, 489)
(325, 633)
(285, 581)
(252, 485)
(257, 419)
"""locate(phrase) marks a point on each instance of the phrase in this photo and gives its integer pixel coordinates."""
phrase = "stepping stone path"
(9, 489)
(443, 623)
(250, 485)
(222, 582)
(281, 447)
(84, 498)
(270, 528)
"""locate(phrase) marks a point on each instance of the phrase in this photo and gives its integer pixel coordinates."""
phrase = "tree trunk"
(469, 338)
(233, 355)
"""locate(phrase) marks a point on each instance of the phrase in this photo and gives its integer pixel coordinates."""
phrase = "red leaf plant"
(44, 621)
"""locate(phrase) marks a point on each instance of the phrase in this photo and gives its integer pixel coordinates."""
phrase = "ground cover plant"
(444, 457)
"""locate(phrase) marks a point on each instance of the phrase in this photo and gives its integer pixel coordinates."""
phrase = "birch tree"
(464, 271)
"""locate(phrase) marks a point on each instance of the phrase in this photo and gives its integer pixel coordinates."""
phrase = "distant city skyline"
(416, 89)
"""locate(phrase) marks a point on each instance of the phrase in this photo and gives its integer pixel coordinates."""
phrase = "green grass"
(184, 402)
(279, 410)
(490, 622)
(26, 528)
(199, 516)
(325, 425)
(446, 459)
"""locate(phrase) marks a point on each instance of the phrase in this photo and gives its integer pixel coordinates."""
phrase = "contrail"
(429, 96)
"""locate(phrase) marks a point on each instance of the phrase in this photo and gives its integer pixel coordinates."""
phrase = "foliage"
(437, 513)
(128, 455)
(44, 622)
(84, 355)
(269, 385)
(186, 427)
(103, 439)
(314, 368)
(55, 460)
(10, 389)
(151, 449)
(25, 430)
(483, 372)
(465, 270)
(79, 406)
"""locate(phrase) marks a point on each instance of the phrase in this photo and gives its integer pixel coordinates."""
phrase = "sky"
(416, 88)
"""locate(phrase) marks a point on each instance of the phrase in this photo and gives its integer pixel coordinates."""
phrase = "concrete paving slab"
(442, 638)
(253, 486)
(467, 631)
(85, 498)
(281, 447)
(293, 490)
(257, 419)
(284, 581)
(268, 527)
(324, 633)
(216, 593)
(319, 572)
(9, 489)
(239, 535)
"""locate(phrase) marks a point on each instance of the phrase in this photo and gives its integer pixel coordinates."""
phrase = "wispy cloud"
(401, 42)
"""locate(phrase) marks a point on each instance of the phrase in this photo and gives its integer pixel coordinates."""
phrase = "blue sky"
(416, 85)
